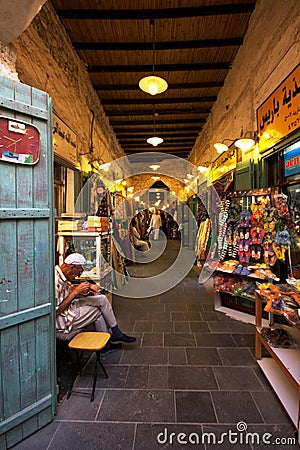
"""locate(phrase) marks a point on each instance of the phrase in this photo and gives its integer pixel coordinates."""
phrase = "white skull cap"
(76, 259)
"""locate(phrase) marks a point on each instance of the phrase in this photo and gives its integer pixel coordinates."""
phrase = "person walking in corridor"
(155, 224)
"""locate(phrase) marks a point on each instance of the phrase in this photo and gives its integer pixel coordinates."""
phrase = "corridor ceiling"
(190, 43)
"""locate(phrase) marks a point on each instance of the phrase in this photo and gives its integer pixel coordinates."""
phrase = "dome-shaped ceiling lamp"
(153, 84)
(155, 140)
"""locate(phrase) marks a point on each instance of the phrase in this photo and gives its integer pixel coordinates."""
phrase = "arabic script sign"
(64, 141)
(279, 115)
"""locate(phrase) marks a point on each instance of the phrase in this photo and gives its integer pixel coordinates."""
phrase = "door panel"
(27, 327)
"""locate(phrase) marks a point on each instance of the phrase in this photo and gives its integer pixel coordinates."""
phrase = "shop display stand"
(232, 304)
(243, 314)
(281, 367)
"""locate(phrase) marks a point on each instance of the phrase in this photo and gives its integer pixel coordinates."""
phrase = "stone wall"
(270, 52)
(47, 61)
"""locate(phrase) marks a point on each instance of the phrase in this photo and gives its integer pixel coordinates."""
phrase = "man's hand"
(95, 288)
(82, 288)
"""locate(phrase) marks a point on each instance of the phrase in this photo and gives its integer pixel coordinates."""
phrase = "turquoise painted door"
(27, 333)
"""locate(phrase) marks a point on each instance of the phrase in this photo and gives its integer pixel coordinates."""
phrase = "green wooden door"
(27, 333)
(244, 176)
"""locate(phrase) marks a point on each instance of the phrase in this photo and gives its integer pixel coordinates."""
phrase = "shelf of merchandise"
(281, 367)
(244, 314)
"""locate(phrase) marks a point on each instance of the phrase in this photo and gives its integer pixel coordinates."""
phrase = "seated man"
(143, 246)
(82, 304)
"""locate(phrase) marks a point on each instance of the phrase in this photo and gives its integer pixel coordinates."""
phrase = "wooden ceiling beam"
(159, 101)
(135, 140)
(121, 68)
(159, 13)
(143, 144)
(163, 112)
(171, 45)
(134, 87)
(161, 146)
(176, 136)
(126, 123)
(132, 131)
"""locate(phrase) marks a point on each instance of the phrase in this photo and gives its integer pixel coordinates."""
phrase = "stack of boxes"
(96, 223)
(69, 222)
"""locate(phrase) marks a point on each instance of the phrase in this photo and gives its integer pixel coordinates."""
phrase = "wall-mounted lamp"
(221, 146)
(203, 169)
(153, 84)
(245, 143)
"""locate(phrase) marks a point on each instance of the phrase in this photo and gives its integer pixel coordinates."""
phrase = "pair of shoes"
(110, 348)
(124, 339)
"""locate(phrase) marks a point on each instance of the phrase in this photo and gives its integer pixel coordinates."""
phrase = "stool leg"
(78, 371)
(71, 387)
(94, 382)
(100, 364)
(98, 361)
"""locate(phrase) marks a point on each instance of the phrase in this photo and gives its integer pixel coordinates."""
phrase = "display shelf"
(284, 390)
(247, 277)
(96, 248)
(237, 301)
(281, 367)
(252, 299)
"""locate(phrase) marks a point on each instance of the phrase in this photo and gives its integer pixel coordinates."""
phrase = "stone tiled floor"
(192, 375)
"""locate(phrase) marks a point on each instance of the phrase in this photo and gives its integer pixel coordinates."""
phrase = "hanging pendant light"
(153, 84)
(154, 140)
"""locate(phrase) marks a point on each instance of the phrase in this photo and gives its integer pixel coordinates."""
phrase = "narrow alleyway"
(191, 371)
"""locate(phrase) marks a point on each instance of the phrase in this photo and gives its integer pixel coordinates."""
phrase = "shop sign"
(224, 163)
(64, 141)
(291, 160)
(279, 115)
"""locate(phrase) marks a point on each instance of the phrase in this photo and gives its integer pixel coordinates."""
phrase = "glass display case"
(95, 247)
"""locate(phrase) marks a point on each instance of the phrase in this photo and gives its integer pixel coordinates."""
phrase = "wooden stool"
(92, 341)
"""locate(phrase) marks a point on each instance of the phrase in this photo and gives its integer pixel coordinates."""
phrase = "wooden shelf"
(282, 387)
(282, 367)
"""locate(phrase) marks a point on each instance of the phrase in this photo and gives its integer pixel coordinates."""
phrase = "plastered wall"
(46, 60)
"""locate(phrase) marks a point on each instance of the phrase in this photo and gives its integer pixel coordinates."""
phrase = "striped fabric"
(65, 319)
